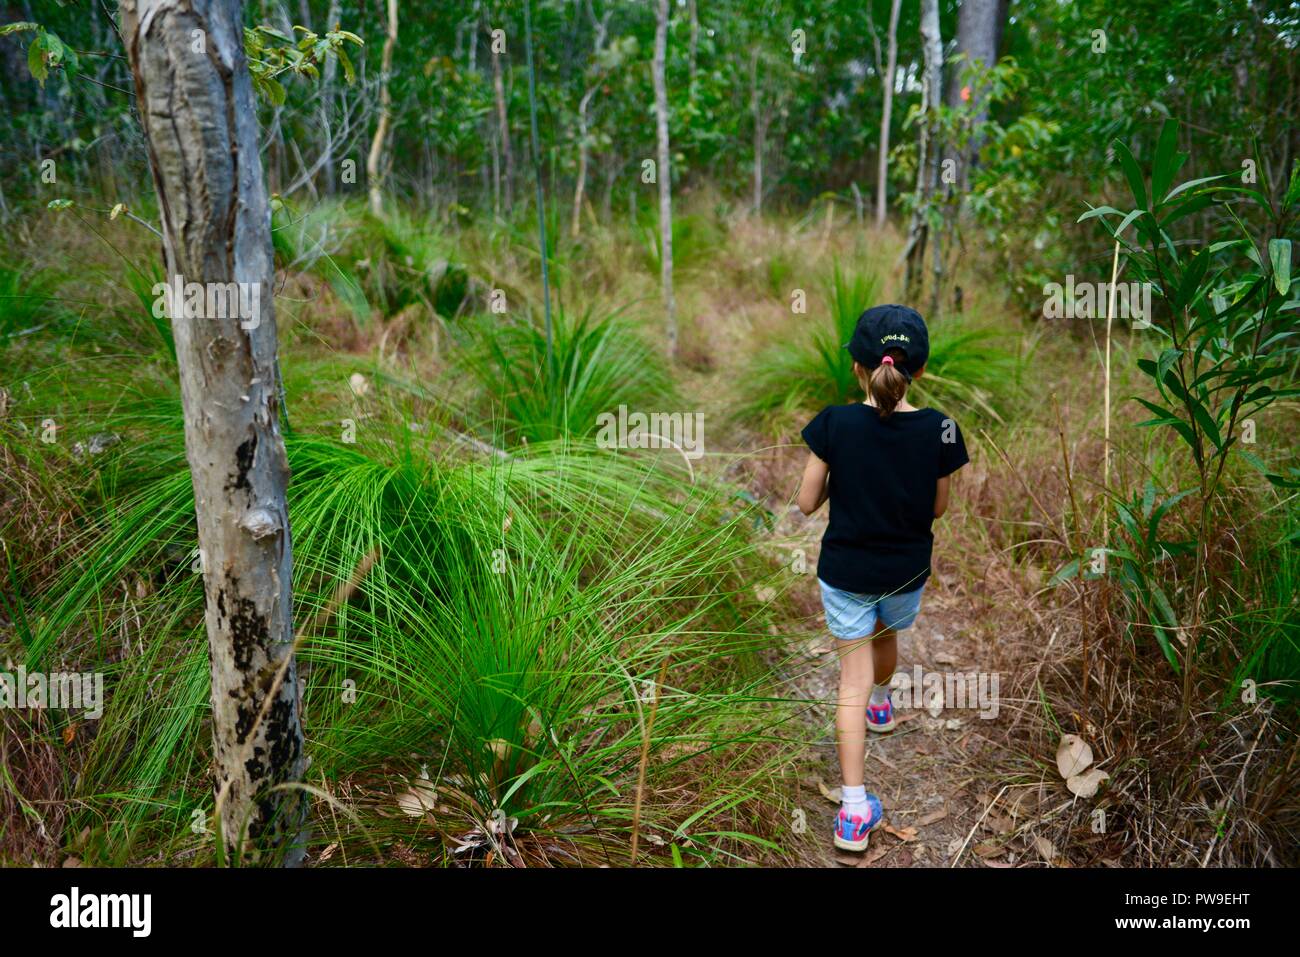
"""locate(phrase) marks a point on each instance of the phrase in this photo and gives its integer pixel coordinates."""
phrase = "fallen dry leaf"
(1044, 847)
(1085, 785)
(1073, 756)
(831, 794)
(420, 799)
(933, 816)
(998, 824)
(873, 855)
(903, 834)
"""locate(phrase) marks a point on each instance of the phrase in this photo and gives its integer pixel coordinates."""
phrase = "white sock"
(854, 799)
(880, 693)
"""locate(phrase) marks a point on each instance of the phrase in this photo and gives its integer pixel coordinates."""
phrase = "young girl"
(885, 467)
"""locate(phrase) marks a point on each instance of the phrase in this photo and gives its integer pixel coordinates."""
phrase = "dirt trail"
(934, 771)
(931, 772)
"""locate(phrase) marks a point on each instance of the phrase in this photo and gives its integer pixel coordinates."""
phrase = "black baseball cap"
(882, 328)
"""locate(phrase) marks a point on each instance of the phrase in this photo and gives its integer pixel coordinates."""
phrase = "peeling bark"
(196, 106)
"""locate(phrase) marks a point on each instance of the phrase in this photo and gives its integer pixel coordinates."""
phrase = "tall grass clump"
(967, 369)
(486, 632)
(597, 362)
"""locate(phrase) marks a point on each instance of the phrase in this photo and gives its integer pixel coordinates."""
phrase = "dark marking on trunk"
(280, 727)
(250, 632)
(243, 464)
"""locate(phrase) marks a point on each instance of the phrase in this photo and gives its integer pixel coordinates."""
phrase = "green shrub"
(965, 372)
(597, 363)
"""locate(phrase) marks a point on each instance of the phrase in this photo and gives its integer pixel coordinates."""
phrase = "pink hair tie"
(887, 360)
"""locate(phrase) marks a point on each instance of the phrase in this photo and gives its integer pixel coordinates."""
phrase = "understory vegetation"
(522, 644)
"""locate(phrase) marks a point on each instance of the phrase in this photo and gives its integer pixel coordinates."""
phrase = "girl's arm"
(941, 497)
(814, 489)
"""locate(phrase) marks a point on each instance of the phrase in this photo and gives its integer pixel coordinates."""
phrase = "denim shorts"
(850, 615)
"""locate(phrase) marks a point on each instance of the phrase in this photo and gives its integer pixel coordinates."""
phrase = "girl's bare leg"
(884, 654)
(851, 713)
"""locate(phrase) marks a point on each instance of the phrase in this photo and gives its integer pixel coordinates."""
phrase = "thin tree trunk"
(663, 175)
(693, 9)
(584, 148)
(927, 164)
(503, 125)
(760, 130)
(374, 162)
(326, 112)
(583, 152)
(882, 169)
(200, 125)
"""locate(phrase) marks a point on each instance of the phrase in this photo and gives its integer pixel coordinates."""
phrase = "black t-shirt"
(883, 477)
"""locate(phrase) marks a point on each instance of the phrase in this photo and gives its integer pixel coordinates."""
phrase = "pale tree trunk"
(693, 10)
(327, 103)
(374, 162)
(503, 126)
(200, 126)
(979, 35)
(583, 153)
(927, 159)
(760, 132)
(584, 148)
(664, 176)
(882, 169)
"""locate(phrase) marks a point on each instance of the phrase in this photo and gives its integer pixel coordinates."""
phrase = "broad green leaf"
(1097, 211)
(1279, 254)
(1166, 613)
(1166, 361)
(36, 64)
(1067, 571)
(1128, 219)
(1133, 173)
(1192, 183)
(349, 73)
(1163, 168)
(1165, 417)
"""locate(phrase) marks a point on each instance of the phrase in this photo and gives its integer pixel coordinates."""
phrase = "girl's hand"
(814, 488)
